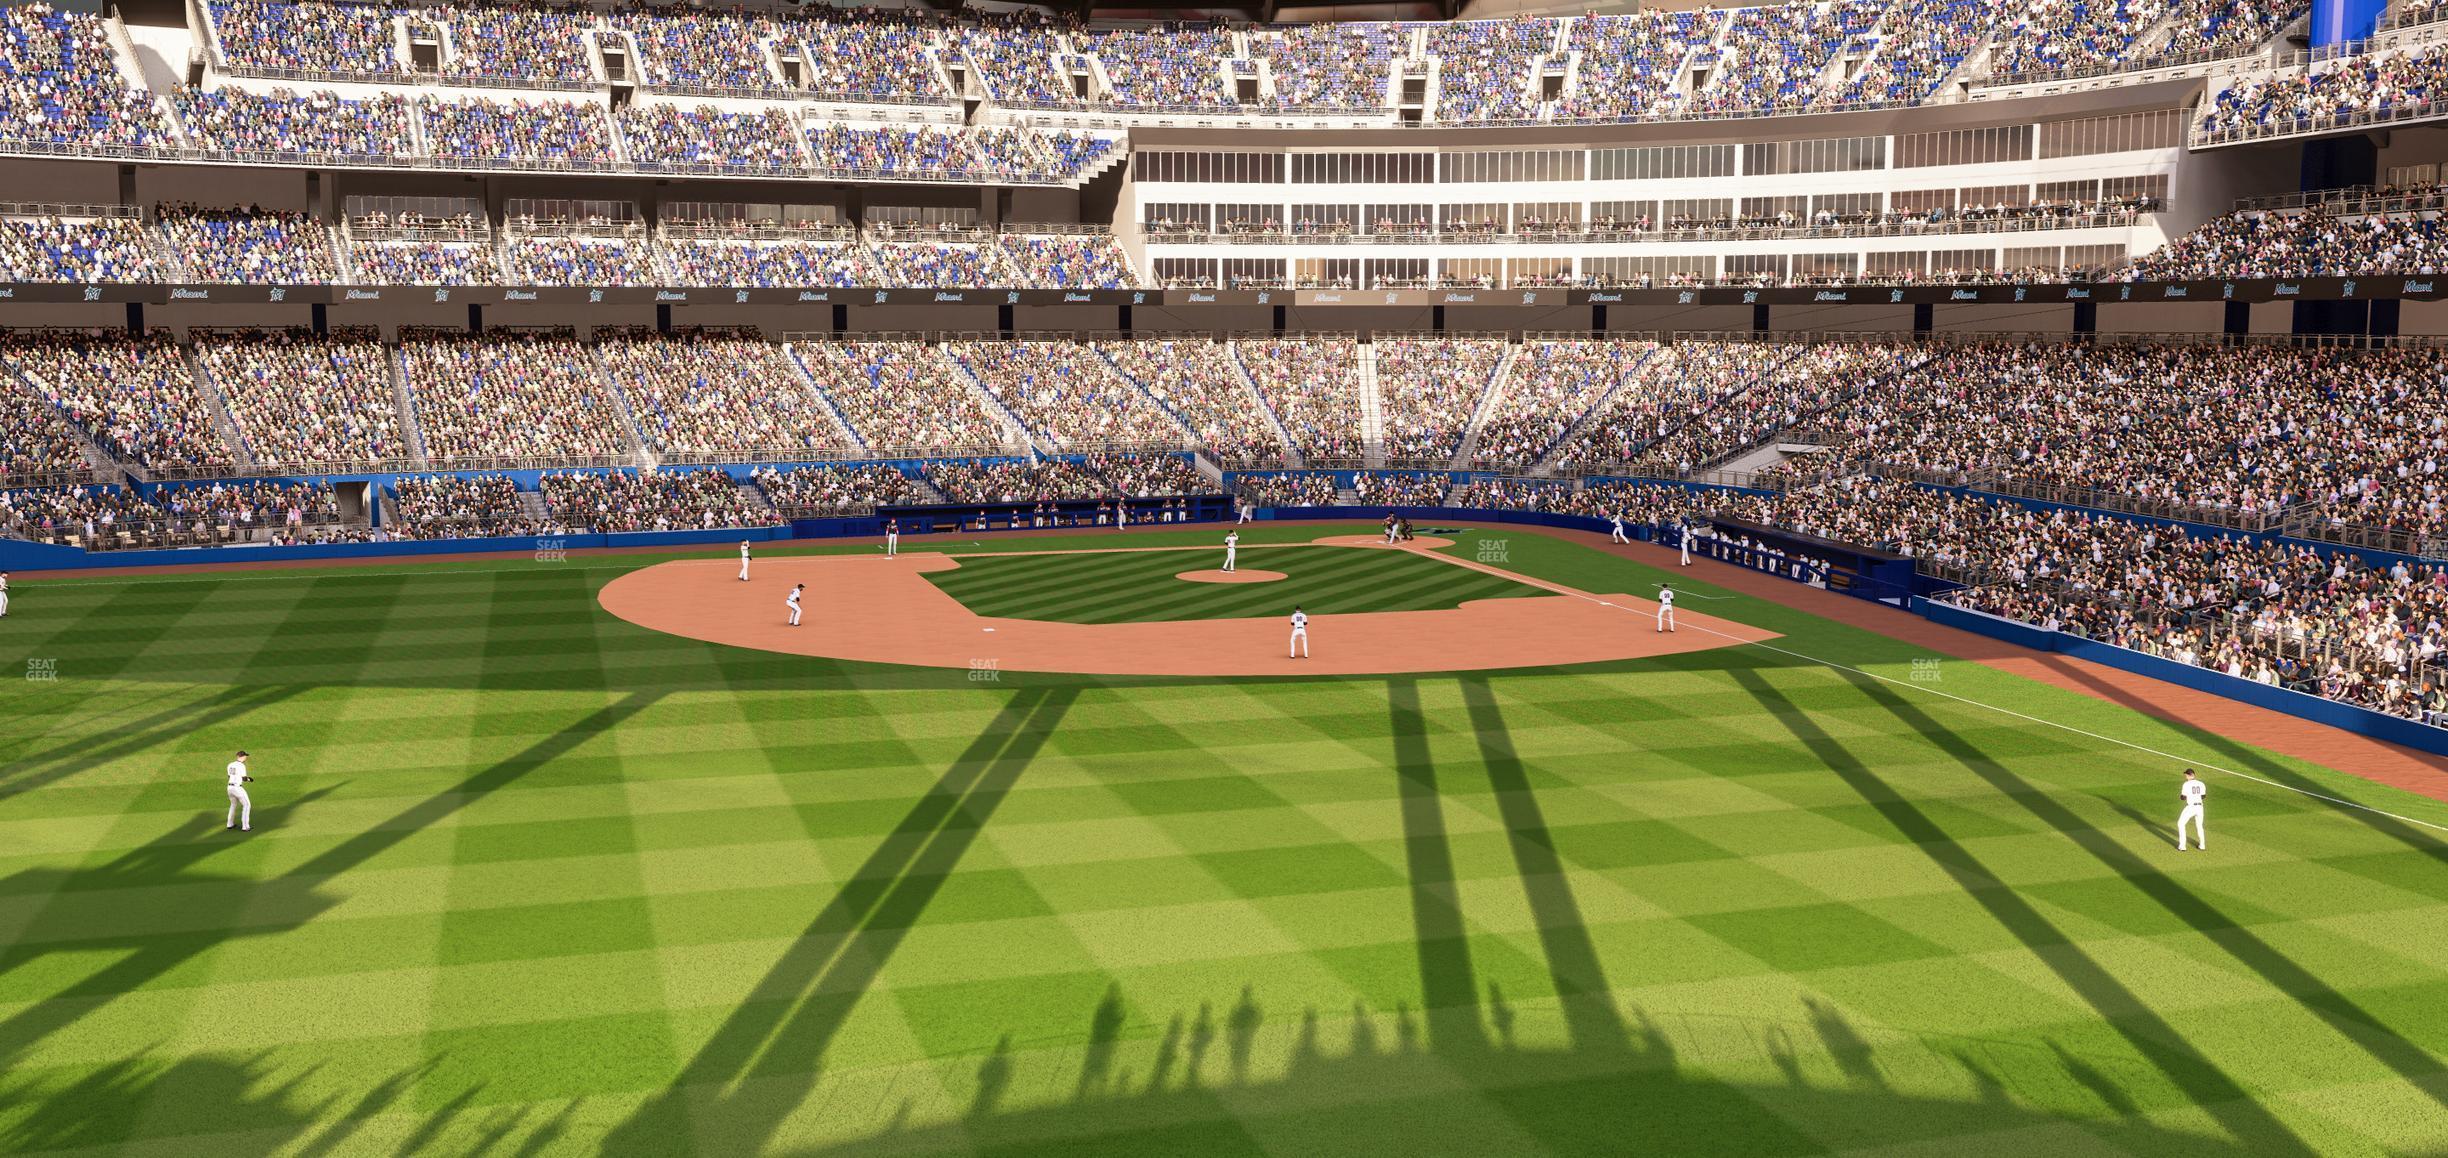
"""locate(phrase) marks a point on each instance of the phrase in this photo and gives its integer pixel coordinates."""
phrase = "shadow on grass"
(2148, 1034)
(213, 908)
(2421, 841)
(2383, 1042)
(767, 1056)
(1330, 1084)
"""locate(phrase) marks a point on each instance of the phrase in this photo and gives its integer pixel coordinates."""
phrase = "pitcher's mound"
(1243, 575)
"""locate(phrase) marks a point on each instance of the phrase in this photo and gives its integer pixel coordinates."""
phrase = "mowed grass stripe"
(1193, 921)
(1133, 587)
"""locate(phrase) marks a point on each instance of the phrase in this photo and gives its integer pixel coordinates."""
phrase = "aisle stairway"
(1372, 410)
(1488, 402)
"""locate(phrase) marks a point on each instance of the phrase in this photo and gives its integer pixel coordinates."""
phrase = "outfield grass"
(1139, 586)
(531, 879)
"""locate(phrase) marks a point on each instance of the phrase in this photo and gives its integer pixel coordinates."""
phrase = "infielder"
(743, 560)
(1666, 609)
(2191, 792)
(1248, 510)
(241, 809)
(1300, 635)
(792, 601)
(1232, 548)
(892, 537)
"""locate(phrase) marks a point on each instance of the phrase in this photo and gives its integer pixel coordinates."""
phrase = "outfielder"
(2191, 792)
(1300, 635)
(241, 809)
(743, 560)
(1619, 536)
(1683, 535)
(1666, 620)
(3, 594)
(1232, 548)
(792, 601)
(892, 537)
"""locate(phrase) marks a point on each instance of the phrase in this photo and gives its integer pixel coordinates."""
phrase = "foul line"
(1740, 642)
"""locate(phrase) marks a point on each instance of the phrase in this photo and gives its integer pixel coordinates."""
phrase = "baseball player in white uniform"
(1683, 536)
(1232, 548)
(743, 560)
(1666, 609)
(1300, 634)
(3, 594)
(892, 537)
(1248, 510)
(2191, 792)
(241, 809)
(792, 601)
(1619, 536)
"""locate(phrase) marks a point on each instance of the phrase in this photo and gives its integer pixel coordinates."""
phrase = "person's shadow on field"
(2143, 819)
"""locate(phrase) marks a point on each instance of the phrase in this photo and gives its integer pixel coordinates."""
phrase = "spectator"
(704, 392)
(508, 394)
(300, 399)
(903, 395)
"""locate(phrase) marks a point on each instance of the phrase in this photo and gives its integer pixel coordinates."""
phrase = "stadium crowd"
(1553, 386)
(702, 392)
(1428, 391)
(447, 506)
(1313, 387)
(2306, 243)
(51, 248)
(708, 137)
(281, 121)
(2368, 87)
(762, 262)
(902, 395)
(137, 397)
(1139, 475)
(587, 502)
(1015, 481)
(1066, 393)
(298, 398)
(1198, 381)
(250, 246)
(1755, 59)
(508, 394)
(1287, 489)
(819, 491)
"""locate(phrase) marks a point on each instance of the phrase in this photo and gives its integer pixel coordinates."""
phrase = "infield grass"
(528, 879)
(1140, 586)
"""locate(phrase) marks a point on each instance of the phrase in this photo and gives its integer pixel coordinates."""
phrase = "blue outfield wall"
(2362, 721)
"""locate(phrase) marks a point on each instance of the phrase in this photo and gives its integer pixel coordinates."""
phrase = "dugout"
(1863, 572)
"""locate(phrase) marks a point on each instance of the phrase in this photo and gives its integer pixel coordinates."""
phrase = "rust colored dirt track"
(880, 610)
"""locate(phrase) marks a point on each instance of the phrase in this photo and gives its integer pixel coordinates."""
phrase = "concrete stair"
(405, 400)
(218, 406)
(823, 397)
(1488, 401)
(1372, 410)
(1292, 454)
